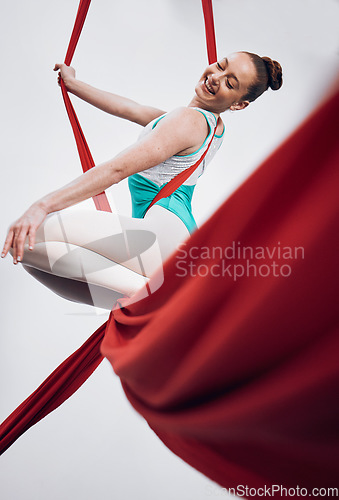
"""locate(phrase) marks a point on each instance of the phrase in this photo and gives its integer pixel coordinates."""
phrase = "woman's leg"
(103, 249)
(76, 291)
(82, 264)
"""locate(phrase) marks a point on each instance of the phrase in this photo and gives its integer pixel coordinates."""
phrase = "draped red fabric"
(58, 387)
(238, 374)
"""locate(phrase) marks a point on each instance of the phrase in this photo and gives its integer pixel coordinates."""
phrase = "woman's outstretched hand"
(66, 73)
(27, 224)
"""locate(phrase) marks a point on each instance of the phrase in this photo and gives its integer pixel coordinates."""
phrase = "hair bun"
(274, 71)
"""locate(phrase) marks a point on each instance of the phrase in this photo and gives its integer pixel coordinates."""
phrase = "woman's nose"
(215, 79)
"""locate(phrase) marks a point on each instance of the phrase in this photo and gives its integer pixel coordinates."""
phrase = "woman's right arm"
(106, 101)
(181, 129)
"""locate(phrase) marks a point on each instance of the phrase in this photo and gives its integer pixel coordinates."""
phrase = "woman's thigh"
(107, 253)
(141, 245)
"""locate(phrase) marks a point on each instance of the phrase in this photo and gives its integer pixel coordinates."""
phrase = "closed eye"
(227, 81)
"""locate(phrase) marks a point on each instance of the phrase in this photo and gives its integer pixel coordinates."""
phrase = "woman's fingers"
(19, 242)
(14, 249)
(31, 238)
(15, 244)
(16, 240)
(17, 234)
(8, 242)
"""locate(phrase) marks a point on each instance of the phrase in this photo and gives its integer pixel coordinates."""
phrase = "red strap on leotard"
(179, 179)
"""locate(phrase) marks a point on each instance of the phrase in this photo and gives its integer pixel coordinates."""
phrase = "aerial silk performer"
(232, 360)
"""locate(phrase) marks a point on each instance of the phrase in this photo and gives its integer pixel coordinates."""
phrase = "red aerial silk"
(209, 31)
(87, 162)
(237, 376)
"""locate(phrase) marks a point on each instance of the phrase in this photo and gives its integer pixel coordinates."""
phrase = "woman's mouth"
(208, 86)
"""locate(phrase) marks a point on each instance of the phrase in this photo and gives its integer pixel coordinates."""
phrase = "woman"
(115, 255)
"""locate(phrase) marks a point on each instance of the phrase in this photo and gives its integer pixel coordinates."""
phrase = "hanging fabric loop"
(86, 159)
(209, 31)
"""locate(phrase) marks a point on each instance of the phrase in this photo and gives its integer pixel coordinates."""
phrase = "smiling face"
(223, 83)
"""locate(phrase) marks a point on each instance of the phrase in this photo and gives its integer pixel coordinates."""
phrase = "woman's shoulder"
(184, 120)
(199, 116)
(193, 120)
(197, 124)
(184, 112)
(184, 125)
(212, 119)
(189, 118)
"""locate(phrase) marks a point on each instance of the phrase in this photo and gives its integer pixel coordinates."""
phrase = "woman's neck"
(196, 104)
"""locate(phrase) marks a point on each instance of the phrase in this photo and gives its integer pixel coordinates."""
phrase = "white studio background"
(96, 445)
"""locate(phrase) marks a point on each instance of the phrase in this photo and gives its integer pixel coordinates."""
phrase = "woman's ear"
(239, 105)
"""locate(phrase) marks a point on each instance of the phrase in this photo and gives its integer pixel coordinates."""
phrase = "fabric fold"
(233, 361)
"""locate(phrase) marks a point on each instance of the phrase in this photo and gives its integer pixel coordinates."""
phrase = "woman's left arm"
(179, 130)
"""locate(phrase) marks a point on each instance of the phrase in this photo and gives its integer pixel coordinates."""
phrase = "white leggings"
(95, 257)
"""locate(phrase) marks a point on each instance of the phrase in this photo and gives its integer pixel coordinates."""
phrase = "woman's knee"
(76, 291)
(70, 261)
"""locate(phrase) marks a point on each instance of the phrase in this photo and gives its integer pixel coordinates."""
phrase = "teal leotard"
(145, 185)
